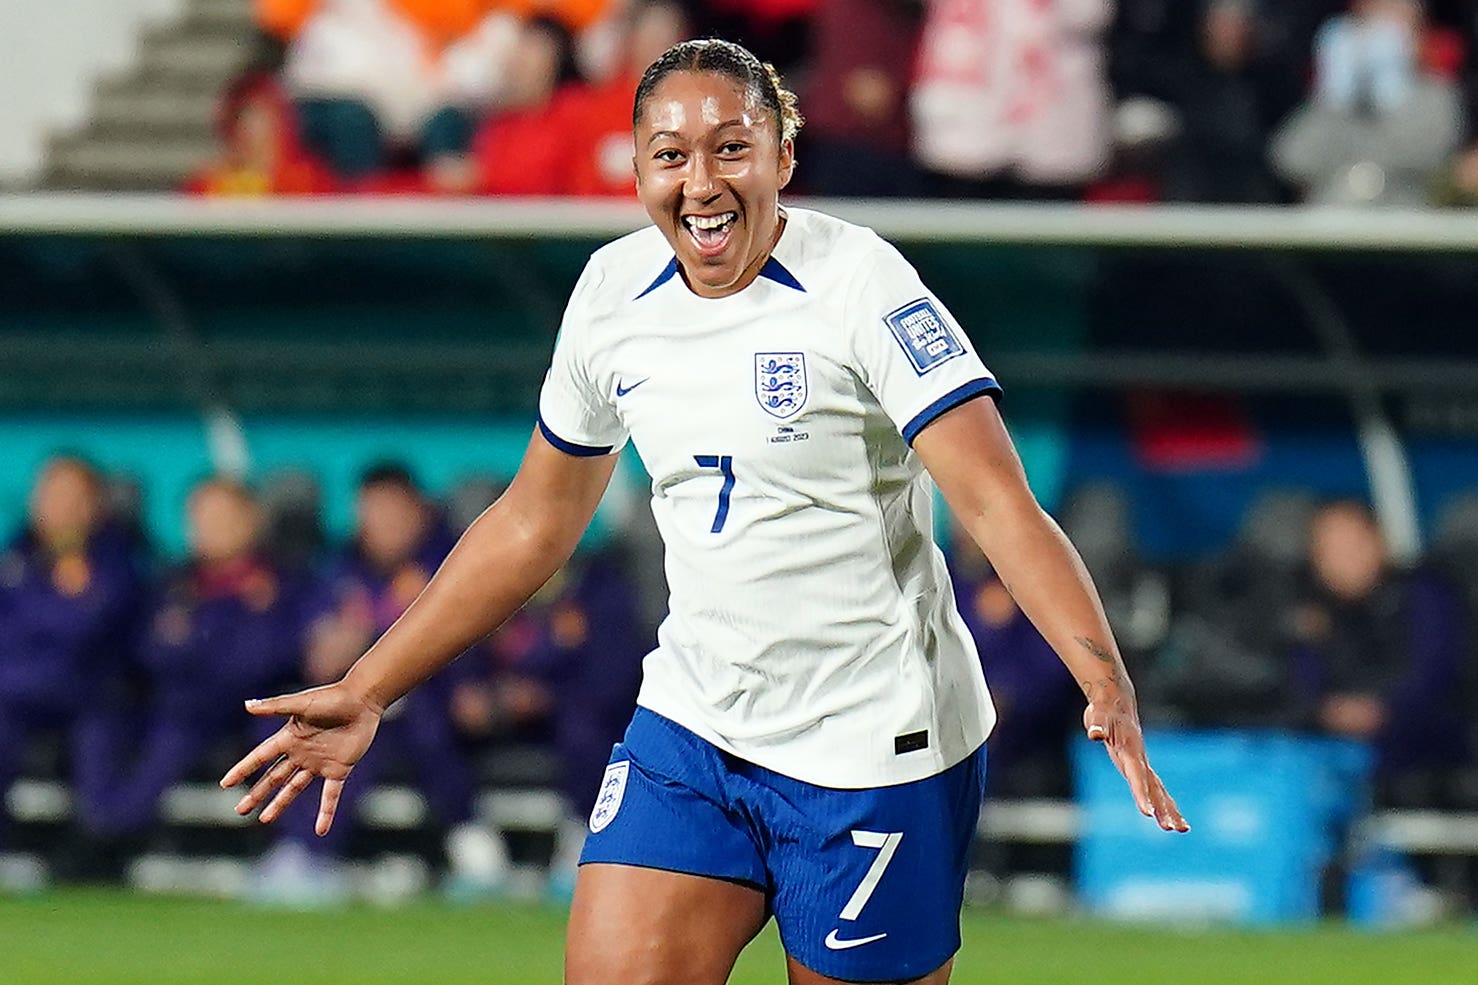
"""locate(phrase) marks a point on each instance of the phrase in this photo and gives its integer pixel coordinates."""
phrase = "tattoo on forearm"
(1096, 648)
(1118, 678)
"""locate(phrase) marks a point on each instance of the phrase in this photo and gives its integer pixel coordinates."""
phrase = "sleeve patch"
(926, 337)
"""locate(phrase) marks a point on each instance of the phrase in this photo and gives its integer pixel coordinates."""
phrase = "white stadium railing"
(1213, 227)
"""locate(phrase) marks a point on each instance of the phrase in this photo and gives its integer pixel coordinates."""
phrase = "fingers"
(1137, 772)
(267, 751)
(328, 806)
(289, 793)
(270, 780)
(285, 704)
(1166, 813)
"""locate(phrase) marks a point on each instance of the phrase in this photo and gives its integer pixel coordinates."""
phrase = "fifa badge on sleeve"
(925, 336)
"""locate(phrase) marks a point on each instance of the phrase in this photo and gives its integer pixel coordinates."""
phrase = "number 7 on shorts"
(887, 845)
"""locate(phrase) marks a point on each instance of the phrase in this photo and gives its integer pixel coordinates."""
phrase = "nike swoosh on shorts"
(837, 944)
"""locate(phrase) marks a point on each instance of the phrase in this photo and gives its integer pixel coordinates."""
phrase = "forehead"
(692, 100)
(215, 495)
(58, 473)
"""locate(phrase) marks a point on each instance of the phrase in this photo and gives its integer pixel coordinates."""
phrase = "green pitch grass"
(115, 939)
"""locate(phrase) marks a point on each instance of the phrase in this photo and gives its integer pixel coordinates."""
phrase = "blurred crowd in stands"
(141, 668)
(133, 671)
(1111, 101)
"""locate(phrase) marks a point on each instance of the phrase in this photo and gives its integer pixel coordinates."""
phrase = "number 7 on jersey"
(725, 464)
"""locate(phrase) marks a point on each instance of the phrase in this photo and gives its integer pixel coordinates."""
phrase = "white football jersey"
(812, 627)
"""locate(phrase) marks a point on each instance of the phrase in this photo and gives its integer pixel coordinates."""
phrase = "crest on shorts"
(780, 382)
(608, 801)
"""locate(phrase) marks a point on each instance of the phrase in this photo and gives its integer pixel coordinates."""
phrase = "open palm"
(327, 732)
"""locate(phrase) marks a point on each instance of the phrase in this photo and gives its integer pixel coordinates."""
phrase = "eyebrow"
(726, 125)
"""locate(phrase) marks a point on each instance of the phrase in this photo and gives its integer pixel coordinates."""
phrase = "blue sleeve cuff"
(948, 402)
(571, 447)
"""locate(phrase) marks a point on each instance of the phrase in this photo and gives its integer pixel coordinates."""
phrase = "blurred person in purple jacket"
(1379, 654)
(572, 654)
(399, 541)
(1037, 703)
(857, 123)
(68, 587)
(225, 624)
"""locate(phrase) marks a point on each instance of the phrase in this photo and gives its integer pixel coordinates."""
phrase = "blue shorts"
(865, 885)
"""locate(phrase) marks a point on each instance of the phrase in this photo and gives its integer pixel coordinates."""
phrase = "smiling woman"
(715, 144)
(809, 741)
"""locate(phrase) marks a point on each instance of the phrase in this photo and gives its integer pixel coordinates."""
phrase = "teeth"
(710, 221)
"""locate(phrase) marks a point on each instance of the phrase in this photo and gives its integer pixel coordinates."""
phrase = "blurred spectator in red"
(1380, 652)
(1380, 124)
(1230, 96)
(523, 148)
(600, 138)
(1011, 99)
(260, 150)
(857, 126)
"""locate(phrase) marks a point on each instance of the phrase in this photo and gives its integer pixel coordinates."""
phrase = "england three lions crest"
(780, 382)
(608, 800)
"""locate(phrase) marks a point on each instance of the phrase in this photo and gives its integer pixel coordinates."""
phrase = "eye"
(668, 155)
(734, 147)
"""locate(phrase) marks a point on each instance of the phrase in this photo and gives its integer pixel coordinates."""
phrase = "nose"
(701, 185)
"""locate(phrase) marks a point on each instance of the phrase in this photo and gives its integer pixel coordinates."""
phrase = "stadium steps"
(151, 125)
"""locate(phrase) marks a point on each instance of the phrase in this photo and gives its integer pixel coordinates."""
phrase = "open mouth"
(710, 232)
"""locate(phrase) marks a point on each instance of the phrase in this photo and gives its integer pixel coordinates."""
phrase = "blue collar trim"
(773, 270)
(668, 272)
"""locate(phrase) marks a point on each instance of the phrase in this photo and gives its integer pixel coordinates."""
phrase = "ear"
(636, 170)
(787, 161)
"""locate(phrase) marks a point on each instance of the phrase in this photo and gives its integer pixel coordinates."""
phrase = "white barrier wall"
(51, 53)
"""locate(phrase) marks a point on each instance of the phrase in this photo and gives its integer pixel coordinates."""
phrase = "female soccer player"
(810, 731)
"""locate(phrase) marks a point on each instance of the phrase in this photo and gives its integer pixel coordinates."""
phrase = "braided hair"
(733, 61)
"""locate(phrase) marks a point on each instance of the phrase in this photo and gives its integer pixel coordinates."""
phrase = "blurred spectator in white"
(1380, 124)
(367, 84)
(1011, 98)
(857, 125)
(261, 153)
(599, 137)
